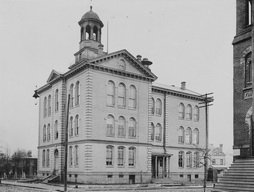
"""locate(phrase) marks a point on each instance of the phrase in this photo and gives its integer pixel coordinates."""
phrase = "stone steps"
(239, 177)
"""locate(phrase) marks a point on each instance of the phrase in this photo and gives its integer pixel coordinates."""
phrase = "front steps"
(239, 177)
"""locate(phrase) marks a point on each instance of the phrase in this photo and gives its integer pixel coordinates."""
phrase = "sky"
(187, 40)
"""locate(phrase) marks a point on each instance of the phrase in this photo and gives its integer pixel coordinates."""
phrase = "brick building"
(122, 126)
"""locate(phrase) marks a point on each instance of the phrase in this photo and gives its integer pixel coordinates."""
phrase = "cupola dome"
(91, 16)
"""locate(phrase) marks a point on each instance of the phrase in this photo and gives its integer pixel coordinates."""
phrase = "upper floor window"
(213, 161)
(188, 135)
(181, 111)
(109, 155)
(45, 106)
(121, 95)
(181, 135)
(43, 157)
(71, 127)
(44, 133)
(56, 101)
(153, 106)
(181, 159)
(189, 112)
(221, 162)
(188, 159)
(132, 97)
(248, 70)
(48, 132)
(196, 160)
(152, 131)
(56, 129)
(47, 158)
(70, 156)
(132, 156)
(49, 105)
(71, 95)
(77, 93)
(121, 127)
(158, 132)
(158, 107)
(76, 125)
(111, 93)
(196, 113)
(120, 157)
(195, 139)
(76, 162)
(110, 125)
(132, 127)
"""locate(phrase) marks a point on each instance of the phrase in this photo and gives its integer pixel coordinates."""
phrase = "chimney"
(100, 51)
(183, 85)
(139, 58)
(221, 147)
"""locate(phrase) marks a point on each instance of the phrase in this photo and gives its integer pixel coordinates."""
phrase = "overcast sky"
(187, 40)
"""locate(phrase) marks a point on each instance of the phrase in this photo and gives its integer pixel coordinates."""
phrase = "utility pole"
(206, 103)
(252, 61)
(66, 144)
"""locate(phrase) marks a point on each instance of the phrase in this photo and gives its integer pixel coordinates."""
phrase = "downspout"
(164, 125)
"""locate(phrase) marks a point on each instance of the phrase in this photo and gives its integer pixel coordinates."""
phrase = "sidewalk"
(84, 187)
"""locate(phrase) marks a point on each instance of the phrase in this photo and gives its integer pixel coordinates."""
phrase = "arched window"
(48, 132)
(70, 156)
(82, 34)
(188, 136)
(71, 95)
(43, 157)
(77, 93)
(196, 160)
(49, 105)
(249, 13)
(132, 156)
(181, 135)
(76, 125)
(109, 155)
(132, 127)
(153, 106)
(121, 127)
(120, 156)
(181, 111)
(188, 159)
(121, 95)
(44, 133)
(152, 131)
(158, 132)
(88, 32)
(95, 32)
(181, 159)
(196, 113)
(189, 112)
(71, 127)
(45, 106)
(133, 97)
(47, 158)
(56, 129)
(111, 93)
(110, 125)
(158, 107)
(76, 155)
(248, 70)
(56, 101)
(195, 138)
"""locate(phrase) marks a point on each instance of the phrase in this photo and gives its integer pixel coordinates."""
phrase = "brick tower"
(243, 77)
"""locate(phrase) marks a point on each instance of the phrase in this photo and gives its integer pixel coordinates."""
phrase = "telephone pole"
(205, 104)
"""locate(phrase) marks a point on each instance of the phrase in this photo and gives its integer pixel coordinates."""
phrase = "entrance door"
(56, 162)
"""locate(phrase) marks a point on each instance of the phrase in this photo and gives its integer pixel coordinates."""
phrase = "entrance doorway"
(56, 162)
(160, 166)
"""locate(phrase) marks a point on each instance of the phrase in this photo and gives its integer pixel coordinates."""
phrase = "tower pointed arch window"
(158, 107)
(48, 132)
(71, 127)
(49, 105)
(152, 131)
(248, 70)
(76, 125)
(189, 112)
(153, 106)
(56, 129)
(196, 113)
(44, 133)
(45, 106)
(87, 33)
(133, 97)
(56, 100)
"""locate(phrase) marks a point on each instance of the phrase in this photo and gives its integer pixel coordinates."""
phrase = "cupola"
(90, 36)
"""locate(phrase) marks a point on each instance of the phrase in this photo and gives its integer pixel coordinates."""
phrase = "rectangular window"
(221, 161)
(120, 156)
(131, 156)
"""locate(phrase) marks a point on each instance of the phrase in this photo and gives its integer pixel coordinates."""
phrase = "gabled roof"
(53, 75)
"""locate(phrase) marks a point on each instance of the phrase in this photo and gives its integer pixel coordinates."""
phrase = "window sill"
(109, 166)
(119, 136)
(132, 137)
(110, 105)
(121, 107)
